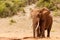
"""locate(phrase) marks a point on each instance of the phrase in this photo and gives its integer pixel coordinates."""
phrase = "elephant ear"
(45, 11)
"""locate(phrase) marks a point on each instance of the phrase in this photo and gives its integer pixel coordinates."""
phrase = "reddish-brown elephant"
(35, 14)
(45, 22)
(41, 20)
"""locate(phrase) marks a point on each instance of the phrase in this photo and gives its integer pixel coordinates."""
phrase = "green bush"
(46, 3)
(11, 7)
(2, 6)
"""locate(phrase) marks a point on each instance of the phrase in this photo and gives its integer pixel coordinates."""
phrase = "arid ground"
(22, 28)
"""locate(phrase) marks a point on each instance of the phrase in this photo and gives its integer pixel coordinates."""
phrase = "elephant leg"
(43, 33)
(43, 29)
(34, 31)
(38, 32)
(38, 29)
(48, 31)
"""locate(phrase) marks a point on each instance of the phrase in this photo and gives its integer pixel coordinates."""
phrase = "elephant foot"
(42, 36)
(33, 36)
(48, 35)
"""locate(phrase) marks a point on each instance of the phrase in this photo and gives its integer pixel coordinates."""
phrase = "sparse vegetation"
(12, 21)
(52, 30)
(47, 3)
(20, 26)
(10, 7)
(56, 13)
(53, 5)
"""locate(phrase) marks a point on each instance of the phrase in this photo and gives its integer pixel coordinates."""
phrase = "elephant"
(42, 20)
(35, 19)
(45, 22)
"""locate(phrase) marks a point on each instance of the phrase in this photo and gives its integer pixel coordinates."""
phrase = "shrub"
(10, 7)
(46, 3)
(12, 21)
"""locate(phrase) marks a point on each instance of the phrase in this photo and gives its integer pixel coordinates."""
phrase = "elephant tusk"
(37, 26)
